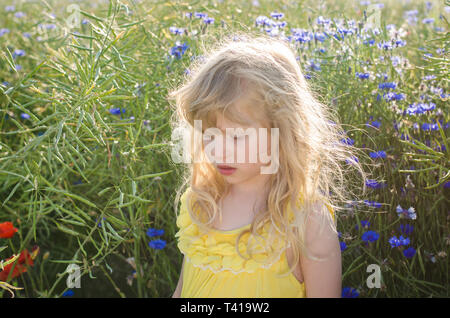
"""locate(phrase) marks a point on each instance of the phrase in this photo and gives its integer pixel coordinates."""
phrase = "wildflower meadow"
(87, 182)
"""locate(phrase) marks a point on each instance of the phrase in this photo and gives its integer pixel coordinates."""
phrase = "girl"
(245, 232)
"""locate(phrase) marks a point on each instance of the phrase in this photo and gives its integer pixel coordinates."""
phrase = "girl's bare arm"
(177, 292)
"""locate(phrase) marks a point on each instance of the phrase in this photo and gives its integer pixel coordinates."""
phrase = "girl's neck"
(258, 187)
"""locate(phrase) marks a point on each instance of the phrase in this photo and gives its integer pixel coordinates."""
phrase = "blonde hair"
(312, 157)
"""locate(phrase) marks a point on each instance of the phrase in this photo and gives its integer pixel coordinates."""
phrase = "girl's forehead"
(244, 112)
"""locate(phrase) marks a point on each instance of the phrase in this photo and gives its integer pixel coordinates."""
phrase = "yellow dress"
(214, 269)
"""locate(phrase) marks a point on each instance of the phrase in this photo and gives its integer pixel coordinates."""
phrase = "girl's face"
(242, 153)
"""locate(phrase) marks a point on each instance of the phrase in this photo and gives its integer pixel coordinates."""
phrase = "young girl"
(245, 232)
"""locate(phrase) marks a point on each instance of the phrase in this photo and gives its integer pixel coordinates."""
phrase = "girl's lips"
(224, 167)
(226, 170)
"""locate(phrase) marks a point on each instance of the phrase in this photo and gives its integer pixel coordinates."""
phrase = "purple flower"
(3, 31)
(348, 292)
(343, 246)
(409, 252)
(24, 116)
(157, 244)
(370, 236)
(19, 14)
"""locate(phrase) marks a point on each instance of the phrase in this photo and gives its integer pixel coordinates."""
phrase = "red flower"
(7, 230)
(25, 259)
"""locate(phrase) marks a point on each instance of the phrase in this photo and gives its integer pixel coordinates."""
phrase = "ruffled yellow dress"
(214, 269)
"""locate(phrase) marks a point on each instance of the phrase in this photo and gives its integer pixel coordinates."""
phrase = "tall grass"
(87, 170)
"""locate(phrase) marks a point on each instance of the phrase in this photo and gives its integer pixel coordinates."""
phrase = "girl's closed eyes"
(246, 232)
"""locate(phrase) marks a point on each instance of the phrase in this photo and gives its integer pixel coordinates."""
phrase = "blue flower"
(116, 111)
(370, 236)
(401, 241)
(406, 229)
(320, 36)
(378, 154)
(154, 232)
(208, 20)
(179, 49)
(375, 124)
(362, 75)
(409, 252)
(419, 108)
(374, 184)
(406, 213)
(343, 245)
(262, 20)
(24, 116)
(322, 20)
(352, 160)
(390, 96)
(385, 45)
(277, 15)
(176, 30)
(348, 292)
(99, 223)
(372, 203)
(364, 223)
(387, 85)
(369, 41)
(200, 15)
(18, 53)
(348, 141)
(68, 293)
(157, 244)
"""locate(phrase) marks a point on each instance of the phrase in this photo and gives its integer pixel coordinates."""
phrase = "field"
(86, 176)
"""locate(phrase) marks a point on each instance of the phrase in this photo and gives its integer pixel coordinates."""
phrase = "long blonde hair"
(313, 160)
